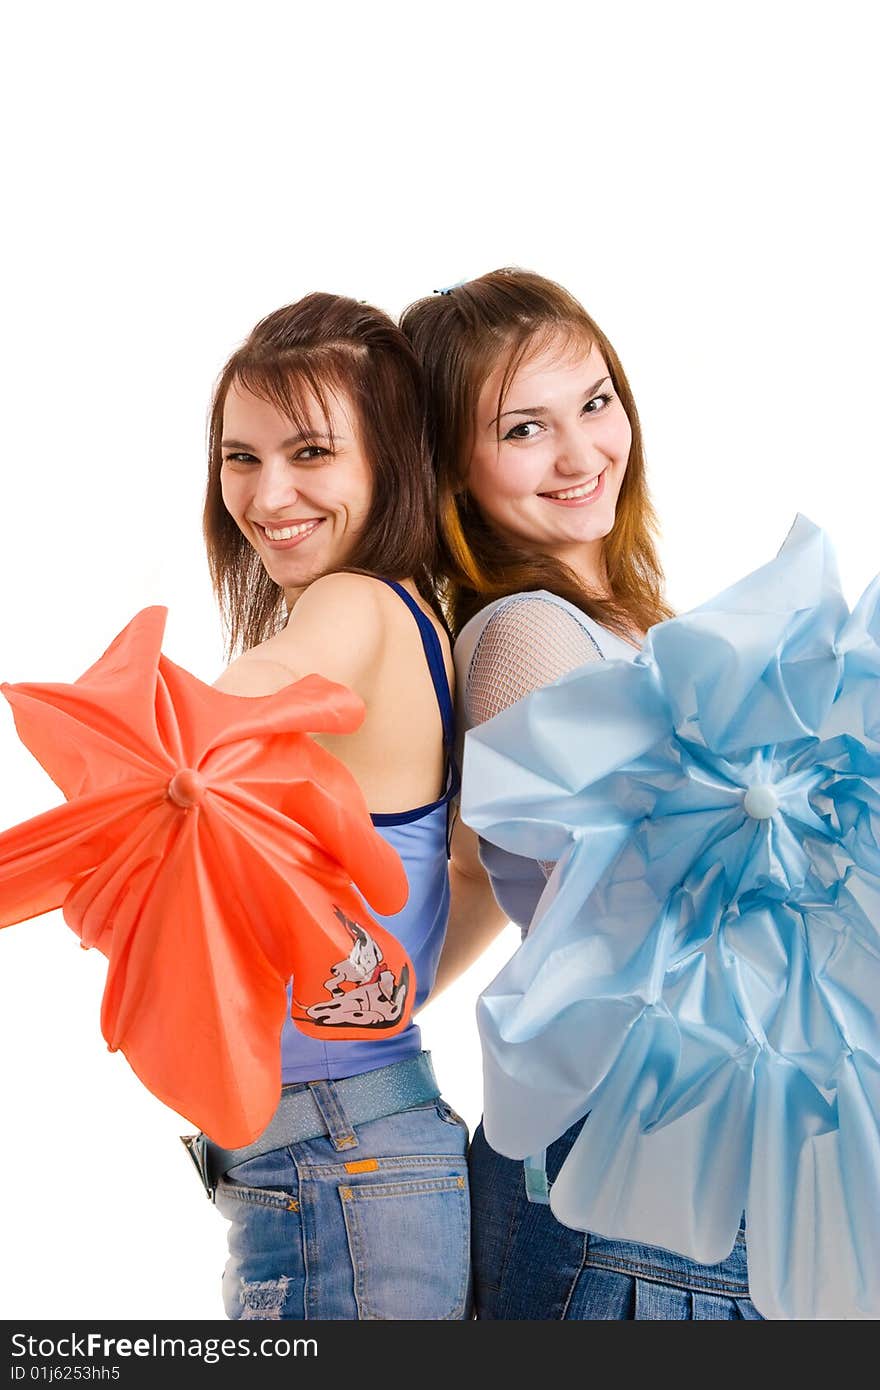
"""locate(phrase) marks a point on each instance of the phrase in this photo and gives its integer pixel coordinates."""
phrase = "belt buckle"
(197, 1148)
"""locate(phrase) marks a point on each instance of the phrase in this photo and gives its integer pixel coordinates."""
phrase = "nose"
(275, 490)
(578, 457)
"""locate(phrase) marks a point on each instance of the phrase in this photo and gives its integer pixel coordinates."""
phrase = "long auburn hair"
(328, 343)
(460, 337)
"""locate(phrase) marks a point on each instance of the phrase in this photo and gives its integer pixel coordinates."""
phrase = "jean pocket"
(409, 1243)
(269, 1180)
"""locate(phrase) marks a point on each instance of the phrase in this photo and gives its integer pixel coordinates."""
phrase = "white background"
(702, 177)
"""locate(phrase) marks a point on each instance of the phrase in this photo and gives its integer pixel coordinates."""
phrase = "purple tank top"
(420, 838)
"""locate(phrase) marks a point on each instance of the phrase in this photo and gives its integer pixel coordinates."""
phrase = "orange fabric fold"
(212, 850)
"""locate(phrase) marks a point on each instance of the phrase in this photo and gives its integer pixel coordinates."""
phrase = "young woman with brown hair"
(549, 562)
(318, 524)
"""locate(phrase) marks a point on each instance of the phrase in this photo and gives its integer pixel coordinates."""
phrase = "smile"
(578, 496)
(283, 537)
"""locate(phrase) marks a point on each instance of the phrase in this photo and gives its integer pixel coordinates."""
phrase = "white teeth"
(288, 532)
(583, 491)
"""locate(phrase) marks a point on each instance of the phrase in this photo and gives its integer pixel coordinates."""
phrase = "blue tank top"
(420, 838)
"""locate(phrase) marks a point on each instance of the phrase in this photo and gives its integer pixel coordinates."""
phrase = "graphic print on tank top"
(364, 991)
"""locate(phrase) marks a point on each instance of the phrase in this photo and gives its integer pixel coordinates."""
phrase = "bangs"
(300, 385)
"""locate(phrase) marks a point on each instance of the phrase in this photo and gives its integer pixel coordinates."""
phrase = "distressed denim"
(376, 1229)
(527, 1265)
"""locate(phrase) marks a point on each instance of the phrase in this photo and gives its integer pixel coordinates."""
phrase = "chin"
(597, 530)
(292, 576)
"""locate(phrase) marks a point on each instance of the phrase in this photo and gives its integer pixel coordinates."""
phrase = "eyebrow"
(545, 409)
(285, 443)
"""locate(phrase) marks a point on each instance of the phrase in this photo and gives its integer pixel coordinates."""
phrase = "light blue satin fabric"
(703, 970)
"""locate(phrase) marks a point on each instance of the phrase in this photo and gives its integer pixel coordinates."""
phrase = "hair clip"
(457, 286)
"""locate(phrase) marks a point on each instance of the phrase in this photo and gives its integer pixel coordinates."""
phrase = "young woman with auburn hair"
(548, 560)
(318, 522)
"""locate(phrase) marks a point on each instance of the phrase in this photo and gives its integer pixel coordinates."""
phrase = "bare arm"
(334, 630)
(475, 918)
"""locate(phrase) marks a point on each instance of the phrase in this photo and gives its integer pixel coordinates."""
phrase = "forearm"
(475, 919)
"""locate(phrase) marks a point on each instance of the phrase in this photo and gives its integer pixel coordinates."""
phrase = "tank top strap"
(436, 666)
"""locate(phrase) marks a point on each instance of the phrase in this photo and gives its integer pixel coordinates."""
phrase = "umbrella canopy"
(703, 972)
(209, 847)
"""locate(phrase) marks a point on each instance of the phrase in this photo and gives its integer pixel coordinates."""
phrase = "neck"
(587, 562)
(291, 596)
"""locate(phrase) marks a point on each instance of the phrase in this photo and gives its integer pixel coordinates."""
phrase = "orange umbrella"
(209, 848)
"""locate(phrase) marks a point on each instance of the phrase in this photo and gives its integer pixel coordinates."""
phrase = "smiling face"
(300, 499)
(547, 472)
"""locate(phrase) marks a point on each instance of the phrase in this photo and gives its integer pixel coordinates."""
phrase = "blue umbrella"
(702, 974)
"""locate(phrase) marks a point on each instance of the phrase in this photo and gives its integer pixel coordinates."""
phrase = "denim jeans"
(378, 1229)
(528, 1265)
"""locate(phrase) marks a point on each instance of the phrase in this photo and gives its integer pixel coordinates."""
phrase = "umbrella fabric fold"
(702, 974)
(211, 850)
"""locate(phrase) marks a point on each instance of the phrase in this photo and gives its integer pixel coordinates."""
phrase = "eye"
(240, 458)
(598, 403)
(311, 452)
(515, 432)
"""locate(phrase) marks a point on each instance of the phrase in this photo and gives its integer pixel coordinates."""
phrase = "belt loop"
(340, 1130)
(535, 1171)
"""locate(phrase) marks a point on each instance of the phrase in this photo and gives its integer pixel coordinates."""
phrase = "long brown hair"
(322, 343)
(460, 336)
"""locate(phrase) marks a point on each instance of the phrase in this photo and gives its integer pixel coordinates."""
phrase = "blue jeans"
(379, 1229)
(528, 1265)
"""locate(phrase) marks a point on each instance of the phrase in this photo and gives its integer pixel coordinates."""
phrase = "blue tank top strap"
(436, 665)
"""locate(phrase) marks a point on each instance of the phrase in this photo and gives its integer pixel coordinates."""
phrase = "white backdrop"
(701, 176)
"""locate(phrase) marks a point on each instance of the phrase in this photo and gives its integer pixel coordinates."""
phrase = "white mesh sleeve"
(527, 643)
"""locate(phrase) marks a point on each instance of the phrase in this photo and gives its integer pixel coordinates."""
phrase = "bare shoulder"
(346, 627)
(363, 602)
(337, 628)
(335, 631)
(361, 592)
